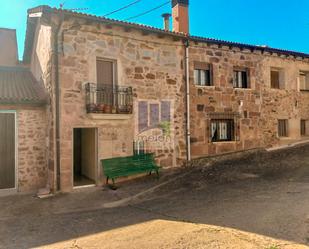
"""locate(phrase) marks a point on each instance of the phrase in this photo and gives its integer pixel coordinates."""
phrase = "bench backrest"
(118, 163)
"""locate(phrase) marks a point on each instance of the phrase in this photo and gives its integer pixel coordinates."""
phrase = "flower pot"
(107, 109)
(91, 108)
(101, 108)
(114, 110)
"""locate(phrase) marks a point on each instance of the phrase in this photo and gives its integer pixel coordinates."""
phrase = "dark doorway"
(7, 150)
(84, 157)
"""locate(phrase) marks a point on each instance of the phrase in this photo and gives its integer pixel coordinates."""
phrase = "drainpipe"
(57, 99)
(188, 134)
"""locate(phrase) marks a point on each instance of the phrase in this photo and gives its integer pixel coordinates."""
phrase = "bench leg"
(107, 178)
(150, 173)
(112, 186)
(158, 176)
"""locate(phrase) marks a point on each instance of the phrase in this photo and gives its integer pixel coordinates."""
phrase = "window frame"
(281, 78)
(283, 132)
(242, 71)
(115, 70)
(306, 75)
(207, 69)
(304, 127)
(230, 130)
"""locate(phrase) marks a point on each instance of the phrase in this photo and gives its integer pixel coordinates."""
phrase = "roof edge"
(48, 9)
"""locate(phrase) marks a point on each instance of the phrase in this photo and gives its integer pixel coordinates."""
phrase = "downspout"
(57, 100)
(188, 133)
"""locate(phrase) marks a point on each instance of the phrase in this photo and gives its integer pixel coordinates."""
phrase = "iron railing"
(109, 99)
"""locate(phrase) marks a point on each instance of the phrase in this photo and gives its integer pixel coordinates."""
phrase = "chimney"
(166, 21)
(180, 15)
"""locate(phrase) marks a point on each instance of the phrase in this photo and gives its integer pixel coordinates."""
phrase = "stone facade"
(259, 107)
(31, 147)
(153, 65)
(32, 153)
(41, 67)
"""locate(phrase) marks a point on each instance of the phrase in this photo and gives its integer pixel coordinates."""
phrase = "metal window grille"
(108, 99)
(223, 127)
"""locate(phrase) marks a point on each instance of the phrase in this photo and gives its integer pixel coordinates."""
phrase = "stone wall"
(41, 68)
(151, 65)
(259, 106)
(31, 147)
(32, 169)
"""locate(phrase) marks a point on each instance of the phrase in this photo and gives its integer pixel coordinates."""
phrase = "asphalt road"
(240, 210)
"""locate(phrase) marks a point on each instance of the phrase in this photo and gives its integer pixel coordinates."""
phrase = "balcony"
(109, 99)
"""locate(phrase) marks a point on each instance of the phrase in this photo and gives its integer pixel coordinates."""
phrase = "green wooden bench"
(127, 166)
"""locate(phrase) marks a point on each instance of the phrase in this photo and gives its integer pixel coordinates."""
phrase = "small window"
(202, 74)
(106, 70)
(276, 78)
(222, 130)
(303, 127)
(241, 79)
(304, 80)
(283, 128)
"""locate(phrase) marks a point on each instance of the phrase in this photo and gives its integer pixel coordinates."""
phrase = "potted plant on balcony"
(101, 108)
(114, 110)
(122, 109)
(107, 108)
(91, 108)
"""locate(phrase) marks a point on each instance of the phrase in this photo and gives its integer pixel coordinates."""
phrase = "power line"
(148, 11)
(122, 8)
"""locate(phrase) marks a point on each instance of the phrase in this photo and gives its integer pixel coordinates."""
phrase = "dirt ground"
(191, 208)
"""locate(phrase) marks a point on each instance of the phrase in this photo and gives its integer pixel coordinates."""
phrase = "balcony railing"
(108, 99)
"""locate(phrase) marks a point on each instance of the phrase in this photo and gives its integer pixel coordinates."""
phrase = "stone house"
(117, 88)
(22, 122)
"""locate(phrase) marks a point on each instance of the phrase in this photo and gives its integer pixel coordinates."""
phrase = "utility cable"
(148, 11)
(122, 8)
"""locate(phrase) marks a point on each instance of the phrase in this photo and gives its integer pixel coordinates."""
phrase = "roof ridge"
(47, 8)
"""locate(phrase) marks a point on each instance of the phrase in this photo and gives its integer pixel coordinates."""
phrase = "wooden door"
(7, 150)
(105, 81)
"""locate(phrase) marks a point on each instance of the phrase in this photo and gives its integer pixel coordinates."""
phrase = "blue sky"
(281, 24)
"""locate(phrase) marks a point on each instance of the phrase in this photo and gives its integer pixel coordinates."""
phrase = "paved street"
(199, 209)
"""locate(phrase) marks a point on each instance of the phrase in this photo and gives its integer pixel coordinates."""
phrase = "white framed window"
(241, 78)
(202, 74)
(304, 81)
(222, 130)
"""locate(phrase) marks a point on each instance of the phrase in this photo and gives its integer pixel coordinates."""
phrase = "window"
(283, 128)
(303, 127)
(277, 78)
(202, 74)
(106, 78)
(240, 78)
(222, 130)
(304, 80)
(106, 72)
